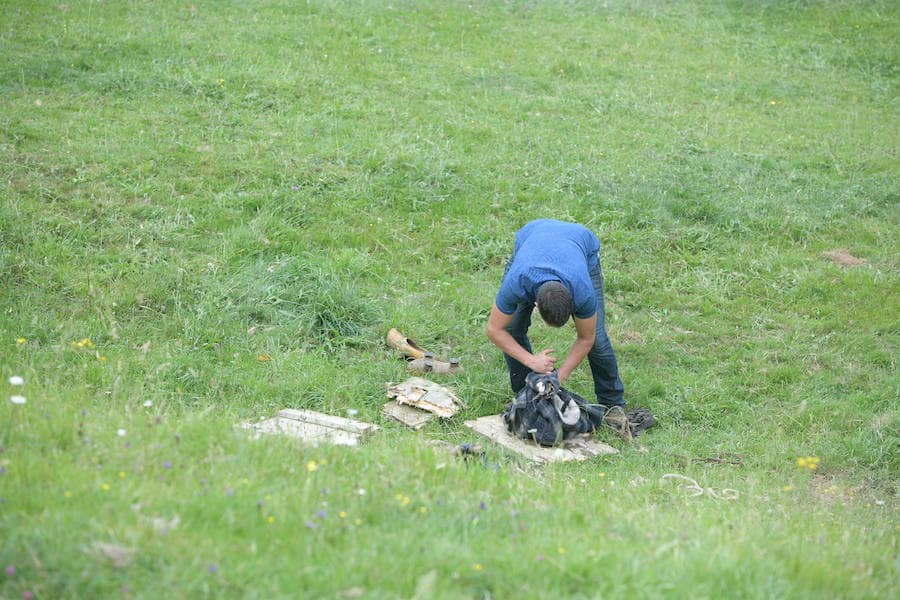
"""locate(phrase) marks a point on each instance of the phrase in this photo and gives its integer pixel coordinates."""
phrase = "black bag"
(547, 413)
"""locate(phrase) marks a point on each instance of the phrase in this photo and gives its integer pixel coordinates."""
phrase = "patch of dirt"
(842, 258)
(829, 489)
(630, 337)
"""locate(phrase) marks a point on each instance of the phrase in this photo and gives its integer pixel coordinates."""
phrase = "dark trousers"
(607, 385)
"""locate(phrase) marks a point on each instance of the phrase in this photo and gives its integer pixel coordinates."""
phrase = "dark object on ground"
(640, 420)
(470, 449)
(547, 413)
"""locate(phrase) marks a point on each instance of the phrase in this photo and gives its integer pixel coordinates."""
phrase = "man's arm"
(586, 330)
(496, 331)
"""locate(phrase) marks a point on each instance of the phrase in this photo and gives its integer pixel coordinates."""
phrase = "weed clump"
(301, 299)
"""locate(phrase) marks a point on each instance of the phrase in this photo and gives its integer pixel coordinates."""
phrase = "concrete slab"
(582, 447)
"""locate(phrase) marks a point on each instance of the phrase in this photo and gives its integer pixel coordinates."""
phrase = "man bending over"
(555, 267)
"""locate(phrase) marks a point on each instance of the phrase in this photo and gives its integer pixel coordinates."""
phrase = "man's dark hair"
(554, 303)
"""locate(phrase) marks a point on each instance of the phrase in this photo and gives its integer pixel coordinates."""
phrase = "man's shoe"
(616, 420)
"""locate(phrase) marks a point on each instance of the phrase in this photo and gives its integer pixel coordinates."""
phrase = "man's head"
(554, 302)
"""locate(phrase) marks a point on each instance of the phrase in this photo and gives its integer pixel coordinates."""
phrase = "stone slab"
(580, 448)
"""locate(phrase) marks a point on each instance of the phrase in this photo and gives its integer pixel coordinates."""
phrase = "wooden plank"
(579, 448)
(317, 418)
(409, 416)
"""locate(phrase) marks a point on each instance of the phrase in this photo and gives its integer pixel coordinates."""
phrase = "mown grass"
(193, 186)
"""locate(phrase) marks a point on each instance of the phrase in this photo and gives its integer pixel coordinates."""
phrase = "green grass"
(193, 185)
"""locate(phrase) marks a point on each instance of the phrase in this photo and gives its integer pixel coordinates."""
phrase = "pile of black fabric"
(548, 414)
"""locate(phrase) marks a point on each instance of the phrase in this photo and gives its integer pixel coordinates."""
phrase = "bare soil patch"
(842, 258)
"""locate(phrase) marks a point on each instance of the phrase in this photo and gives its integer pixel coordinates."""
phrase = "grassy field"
(211, 210)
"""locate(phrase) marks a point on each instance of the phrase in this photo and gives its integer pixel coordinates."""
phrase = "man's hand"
(542, 362)
(496, 331)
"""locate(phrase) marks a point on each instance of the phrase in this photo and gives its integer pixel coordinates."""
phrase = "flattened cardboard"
(427, 395)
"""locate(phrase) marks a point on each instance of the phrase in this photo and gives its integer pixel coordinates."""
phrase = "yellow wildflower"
(311, 466)
(105, 487)
(20, 341)
(478, 567)
(271, 519)
(808, 462)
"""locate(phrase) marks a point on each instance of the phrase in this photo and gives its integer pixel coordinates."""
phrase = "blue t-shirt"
(548, 250)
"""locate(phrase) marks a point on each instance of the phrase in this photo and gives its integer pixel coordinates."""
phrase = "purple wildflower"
(213, 569)
(311, 525)
(322, 514)
(482, 505)
(10, 570)
(167, 464)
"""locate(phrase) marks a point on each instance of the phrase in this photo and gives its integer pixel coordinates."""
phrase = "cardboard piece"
(426, 395)
(408, 415)
(313, 427)
(582, 447)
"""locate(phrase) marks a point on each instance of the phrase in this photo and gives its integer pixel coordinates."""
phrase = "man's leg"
(518, 329)
(607, 385)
